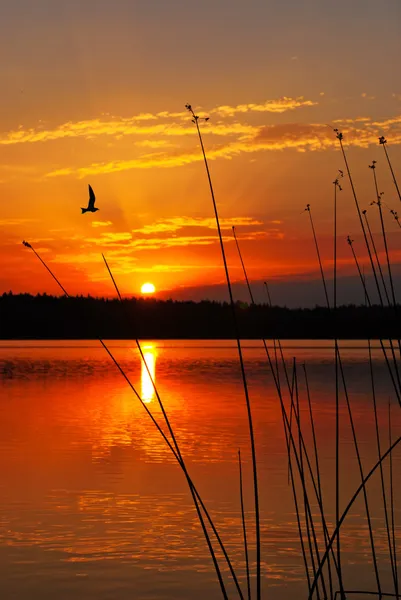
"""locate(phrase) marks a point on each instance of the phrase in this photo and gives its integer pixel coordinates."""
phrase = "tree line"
(24, 316)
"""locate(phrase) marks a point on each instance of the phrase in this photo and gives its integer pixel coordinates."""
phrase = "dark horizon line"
(154, 299)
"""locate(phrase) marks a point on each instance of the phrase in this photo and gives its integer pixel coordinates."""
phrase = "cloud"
(351, 121)
(176, 223)
(388, 122)
(125, 242)
(12, 221)
(122, 267)
(154, 144)
(154, 243)
(110, 237)
(118, 127)
(302, 137)
(274, 106)
(101, 223)
(317, 136)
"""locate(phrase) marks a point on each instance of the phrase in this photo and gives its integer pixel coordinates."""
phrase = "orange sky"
(97, 96)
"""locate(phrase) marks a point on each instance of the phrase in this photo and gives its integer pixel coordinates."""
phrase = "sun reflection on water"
(147, 389)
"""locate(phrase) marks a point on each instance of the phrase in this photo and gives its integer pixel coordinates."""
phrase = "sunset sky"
(94, 93)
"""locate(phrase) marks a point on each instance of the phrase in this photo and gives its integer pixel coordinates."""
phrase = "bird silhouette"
(91, 202)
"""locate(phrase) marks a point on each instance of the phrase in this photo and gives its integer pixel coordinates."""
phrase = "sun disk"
(148, 288)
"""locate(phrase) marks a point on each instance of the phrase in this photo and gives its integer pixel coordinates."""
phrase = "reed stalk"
(346, 511)
(340, 138)
(365, 495)
(195, 120)
(308, 210)
(396, 385)
(372, 241)
(243, 267)
(383, 142)
(294, 493)
(319, 485)
(241, 491)
(289, 437)
(337, 187)
(392, 505)
(310, 529)
(383, 487)
(379, 205)
(336, 358)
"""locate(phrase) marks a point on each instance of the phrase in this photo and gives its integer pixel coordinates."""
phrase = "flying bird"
(91, 202)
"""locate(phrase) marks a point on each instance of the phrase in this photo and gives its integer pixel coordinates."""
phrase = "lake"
(94, 505)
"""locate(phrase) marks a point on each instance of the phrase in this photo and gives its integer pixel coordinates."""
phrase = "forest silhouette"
(25, 316)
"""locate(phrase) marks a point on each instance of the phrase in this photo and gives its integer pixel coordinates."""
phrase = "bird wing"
(92, 198)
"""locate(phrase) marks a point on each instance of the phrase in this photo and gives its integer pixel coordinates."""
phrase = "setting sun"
(148, 288)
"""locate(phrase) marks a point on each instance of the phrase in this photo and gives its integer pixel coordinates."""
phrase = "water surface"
(93, 504)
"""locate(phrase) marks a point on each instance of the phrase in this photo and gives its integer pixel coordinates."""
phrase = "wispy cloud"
(273, 106)
(12, 221)
(125, 242)
(301, 137)
(176, 223)
(101, 223)
(154, 144)
(150, 124)
(110, 237)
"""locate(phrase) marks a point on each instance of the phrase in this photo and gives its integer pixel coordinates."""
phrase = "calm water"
(93, 505)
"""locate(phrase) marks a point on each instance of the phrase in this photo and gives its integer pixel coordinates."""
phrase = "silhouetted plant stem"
(340, 138)
(310, 528)
(243, 266)
(173, 450)
(346, 511)
(372, 241)
(241, 360)
(27, 245)
(294, 493)
(293, 445)
(396, 217)
(392, 503)
(339, 364)
(319, 485)
(379, 204)
(248, 580)
(268, 294)
(174, 439)
(290, 441)
(336, 358)
(397, 386)
(337, 394)
(365, 495)
(308, 210)
(309, 523)
(383, 142)
(383, 488)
